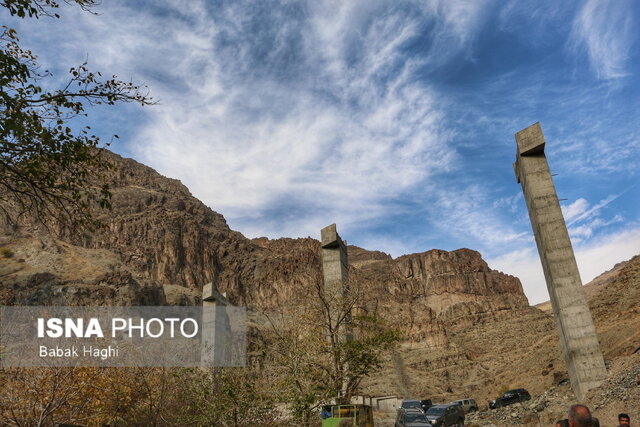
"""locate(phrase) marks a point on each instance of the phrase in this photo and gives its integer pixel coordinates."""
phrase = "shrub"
(6, 253)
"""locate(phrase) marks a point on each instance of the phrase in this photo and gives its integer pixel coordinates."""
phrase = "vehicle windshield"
(435, 411)
(407, 405)
(416, 418)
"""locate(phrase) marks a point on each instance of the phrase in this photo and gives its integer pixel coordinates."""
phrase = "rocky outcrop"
(437, 291)
(47, 271)
(158, 236)
(468, 329)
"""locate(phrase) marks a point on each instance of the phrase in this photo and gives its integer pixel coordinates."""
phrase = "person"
(325, 412)
(624, 420)
(565, 423)
(580, 416)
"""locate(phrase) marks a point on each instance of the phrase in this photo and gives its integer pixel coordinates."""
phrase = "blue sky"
(394, 120)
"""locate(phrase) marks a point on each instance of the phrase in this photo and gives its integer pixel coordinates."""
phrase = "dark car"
(510, 397)
(411, 404)
(411, 418)
(445, 415)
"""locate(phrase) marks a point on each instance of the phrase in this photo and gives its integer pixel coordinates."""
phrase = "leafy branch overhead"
(47, 169)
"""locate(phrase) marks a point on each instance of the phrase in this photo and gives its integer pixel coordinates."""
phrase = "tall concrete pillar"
(578, 339)
(216, 328)
(335, 270)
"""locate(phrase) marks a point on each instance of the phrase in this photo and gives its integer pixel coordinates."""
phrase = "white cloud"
(583, 220)
(593, 258)
(457, 26)
(574, 209)
(606, 251)
(585, 231)
(351, 127)
(579, 234)
(581, 211)
(525, 265)
(512, 203)
(468, 211)
(606, 29)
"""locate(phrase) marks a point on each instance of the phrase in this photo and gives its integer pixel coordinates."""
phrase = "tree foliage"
(312, 361)
(46, 168)
(134, 396)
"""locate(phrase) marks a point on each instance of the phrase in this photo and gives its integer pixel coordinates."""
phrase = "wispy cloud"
(381, 116)
(593, 258)
(513, 203)
(310, 106)
(584, 220)
(580, 210)
(574, 209)
(606, 29)
(468, 211)
(457, 26)
(588, 229)
(339, 138)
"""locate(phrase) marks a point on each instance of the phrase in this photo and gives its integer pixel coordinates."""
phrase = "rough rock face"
(469, 330)
(459, 286)
(46, 271)
(437, 291)
(159, 235)
(161, 245)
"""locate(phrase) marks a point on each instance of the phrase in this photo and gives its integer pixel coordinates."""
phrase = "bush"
(6, 253)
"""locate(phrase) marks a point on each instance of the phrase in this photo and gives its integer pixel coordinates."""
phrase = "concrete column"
(578, 339)
(335, 270)
(216, 328)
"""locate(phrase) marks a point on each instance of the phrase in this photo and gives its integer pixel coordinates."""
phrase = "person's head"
(624, 420)
(562, 423)
(580, 416)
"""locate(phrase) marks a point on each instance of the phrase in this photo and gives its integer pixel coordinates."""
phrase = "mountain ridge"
(468, 329)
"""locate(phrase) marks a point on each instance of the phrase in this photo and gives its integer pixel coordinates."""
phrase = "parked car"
(510, 397)
(411, 404)
(445, 415)
(468, 405)
(411, 418)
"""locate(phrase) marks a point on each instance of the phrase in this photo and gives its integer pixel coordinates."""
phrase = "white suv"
(468, 405)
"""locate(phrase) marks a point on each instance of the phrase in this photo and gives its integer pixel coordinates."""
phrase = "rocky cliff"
(161, 245)
(158, 235)
(469, 329)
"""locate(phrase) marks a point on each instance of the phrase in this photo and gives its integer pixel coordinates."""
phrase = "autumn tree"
(46, 168)
(232, 397)
(310, 360)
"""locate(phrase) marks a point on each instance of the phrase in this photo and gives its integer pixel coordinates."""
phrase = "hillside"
(468, 330)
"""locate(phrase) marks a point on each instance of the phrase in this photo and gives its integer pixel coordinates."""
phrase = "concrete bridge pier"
(578, 339)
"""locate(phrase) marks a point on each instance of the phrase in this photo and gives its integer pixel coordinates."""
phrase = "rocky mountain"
(158, 235)
(161, 245)
(616, 311)
(469, 330)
